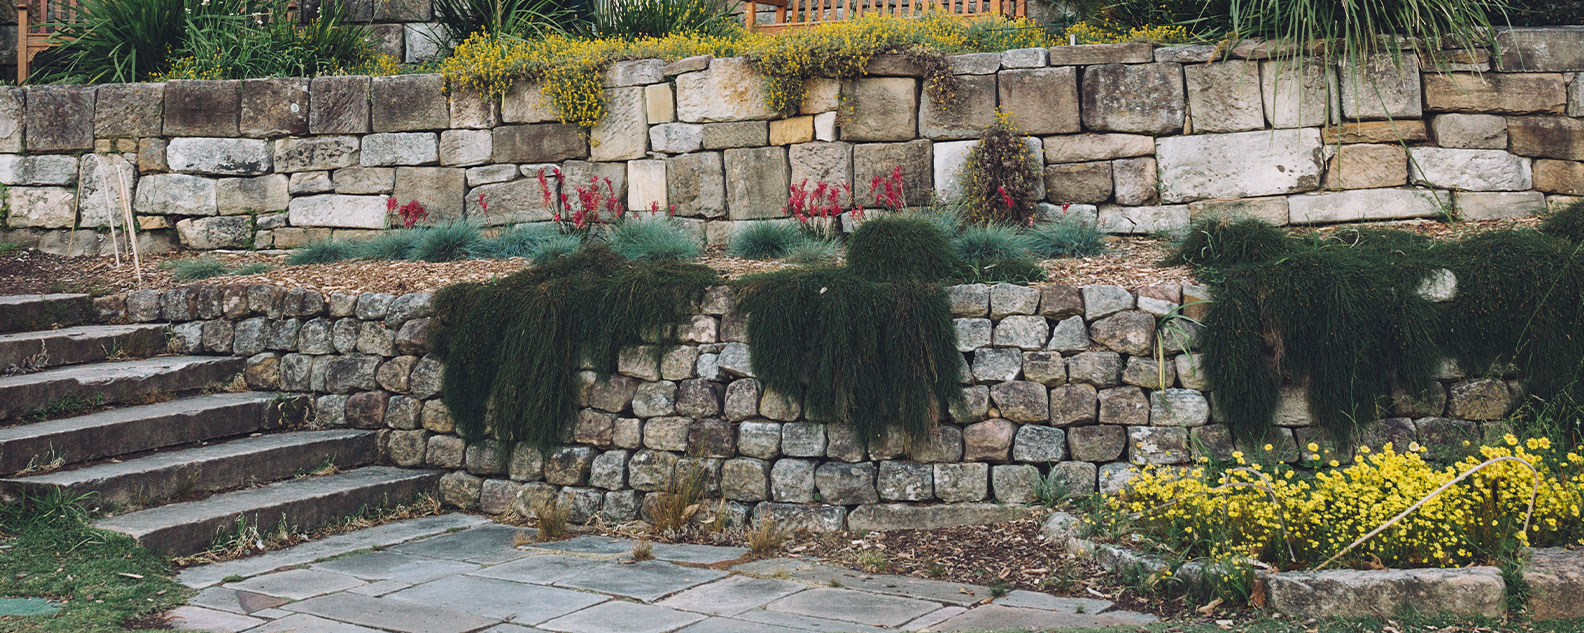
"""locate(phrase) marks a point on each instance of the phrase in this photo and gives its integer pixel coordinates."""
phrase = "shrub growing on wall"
(512, 347)
(1001, 180)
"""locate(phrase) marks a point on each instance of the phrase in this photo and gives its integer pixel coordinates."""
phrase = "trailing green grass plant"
(196, 268)
(1566, 223)
(1066, 237)
(813, 250)
(512, 347)
(390, 245)
(254, 268)
(991, 242)
(904, 248)
(651, 239)
(1227, 242)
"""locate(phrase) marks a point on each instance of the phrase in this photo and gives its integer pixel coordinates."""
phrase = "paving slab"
(773, 566)
(486, 544)
(853, 606)
(938, 590)
(379, 588)
(500, 599)
(378, 536)
(589, 545)
(395, 615)
(511, 628)
(296, 584)
(300, 623)
(729, 625)
(191, 618)
(927, 621)
(805, 622)
(395, 566)
(270, 614)
(622, 617)
(698, 554)
(733, 595)
(647, 581)
(544, 569)
(234, 601)
(996, 617)
(113, 382)
(1037, 600)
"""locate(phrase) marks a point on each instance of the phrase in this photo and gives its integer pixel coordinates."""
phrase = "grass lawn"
(101, 581)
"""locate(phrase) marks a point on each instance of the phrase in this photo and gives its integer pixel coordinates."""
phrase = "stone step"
(111, 383)
(42, 349)
(128, 430)
(20, 313)
(300, 504)
(167, 475)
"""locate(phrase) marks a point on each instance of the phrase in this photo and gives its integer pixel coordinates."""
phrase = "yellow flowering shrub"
(1103, 31)
(1290, 520)
(570, 70)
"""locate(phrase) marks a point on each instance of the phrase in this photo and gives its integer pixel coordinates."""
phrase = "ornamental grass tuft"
(1066, 237)
(448, 241)
(322, 252)
(651, 239)
(764, 240)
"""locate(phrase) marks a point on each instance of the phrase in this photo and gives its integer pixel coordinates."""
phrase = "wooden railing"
(791, 14)
(33, 30)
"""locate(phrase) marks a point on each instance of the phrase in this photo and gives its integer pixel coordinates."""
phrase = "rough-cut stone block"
(696, 184)
(734, 134)
(540, 143)
(1559, 176)
(756, 182)
(1367, 166)
(202, 107)
(1098, 443)
(1043, 100)
(1242, 164)
(1035, 443)
(338, 211)
(1157, 446)
(1470, 131)
(1495, 93)
(1270, 210)
(1225, 96)
(1469, 169)
(1367, 204)
(1492, 205)
(1555, 577)
(1135, 181)
(647, 185)
(974, 63)
(41, 207)
(129, 110)
(466, 147)
(219, 156)
(846, 484)
(399, 148)
(1141, 98)
(1142, 220)
(1381, 87)
(216, 232)
(729, 91)
(315, 153)
(1078, 182)
(621, 133)
(175, 194)
(274, 107)
(964, 116)
(245, 196)
(1469, 591)
(339, 105)
(439, 189)
(1091, 54)
(1375, 132)
(882, 109)
(676, 138)
(12, 119)
(1076, 148)
(526, 103)
(403, 103)
(880, 159)
(1547, 136)
(56, 118)
(1298, 95)
(1555, 49)
(959, 483)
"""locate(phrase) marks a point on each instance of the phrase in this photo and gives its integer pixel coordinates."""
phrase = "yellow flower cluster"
(1102, 31)
(570, 70)
(1288, 519)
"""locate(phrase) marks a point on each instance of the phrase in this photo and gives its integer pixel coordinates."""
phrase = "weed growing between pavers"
(872, 342)
(512, 347)
(102, 581)
(1343, 317)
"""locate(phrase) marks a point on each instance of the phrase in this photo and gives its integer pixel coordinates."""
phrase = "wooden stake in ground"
(131, 227)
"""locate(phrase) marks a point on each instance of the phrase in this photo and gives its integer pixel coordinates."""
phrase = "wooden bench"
(792, 14)
(34, 20)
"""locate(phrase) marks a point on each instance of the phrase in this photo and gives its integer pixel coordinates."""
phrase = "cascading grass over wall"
(869, 344)
(1342, 316)
(513, 347)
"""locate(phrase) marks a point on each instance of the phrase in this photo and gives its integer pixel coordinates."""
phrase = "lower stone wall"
(1061, 381)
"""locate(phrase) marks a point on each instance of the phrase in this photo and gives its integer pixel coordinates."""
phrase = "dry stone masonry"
(1079, 385)
(1135, 138)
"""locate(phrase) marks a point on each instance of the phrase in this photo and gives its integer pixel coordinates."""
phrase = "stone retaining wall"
(1136, 138)
(1061, 380)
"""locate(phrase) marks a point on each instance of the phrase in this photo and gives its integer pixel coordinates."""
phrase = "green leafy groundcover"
(1342, 316)
(870, 344)
(512, 347)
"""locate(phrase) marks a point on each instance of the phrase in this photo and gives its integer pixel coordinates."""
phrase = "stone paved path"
(461, 574)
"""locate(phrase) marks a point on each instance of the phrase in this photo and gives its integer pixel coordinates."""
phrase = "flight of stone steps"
(158, 446)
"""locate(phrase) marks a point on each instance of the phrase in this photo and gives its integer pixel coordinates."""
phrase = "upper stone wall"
(1136, 138)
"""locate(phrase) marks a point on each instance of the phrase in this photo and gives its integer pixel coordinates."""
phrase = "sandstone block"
(1090, 54)
(1044, 100)
(882, 109)
(1367, 166)
(1547, 137)
(1298, 95)
(55, 118)
(176, 194)
(1381, 87)
(879, 159)
(338, 211)
(964, 116)
(1140, 98)
(696, 184)
(1078, 182)
(1469, 169)
(621, 133)
(1243, 164)
(756, 182)
(1367, 204)
(1491, 205)
(1470, 131)
(243, 196)
(1495, 93)
(1225, 96)
(729, 91)
(219, 156)
(129, 110)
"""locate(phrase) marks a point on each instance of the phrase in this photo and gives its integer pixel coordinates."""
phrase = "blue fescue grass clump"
(322, 252)
(991, 242)
(813, 250)
(651, 240)
(196, 268)
(253, 269)
(391, 245)
(1066, 237)
(765, 240)
(522, 241)
(558, 246)
(448, 241)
